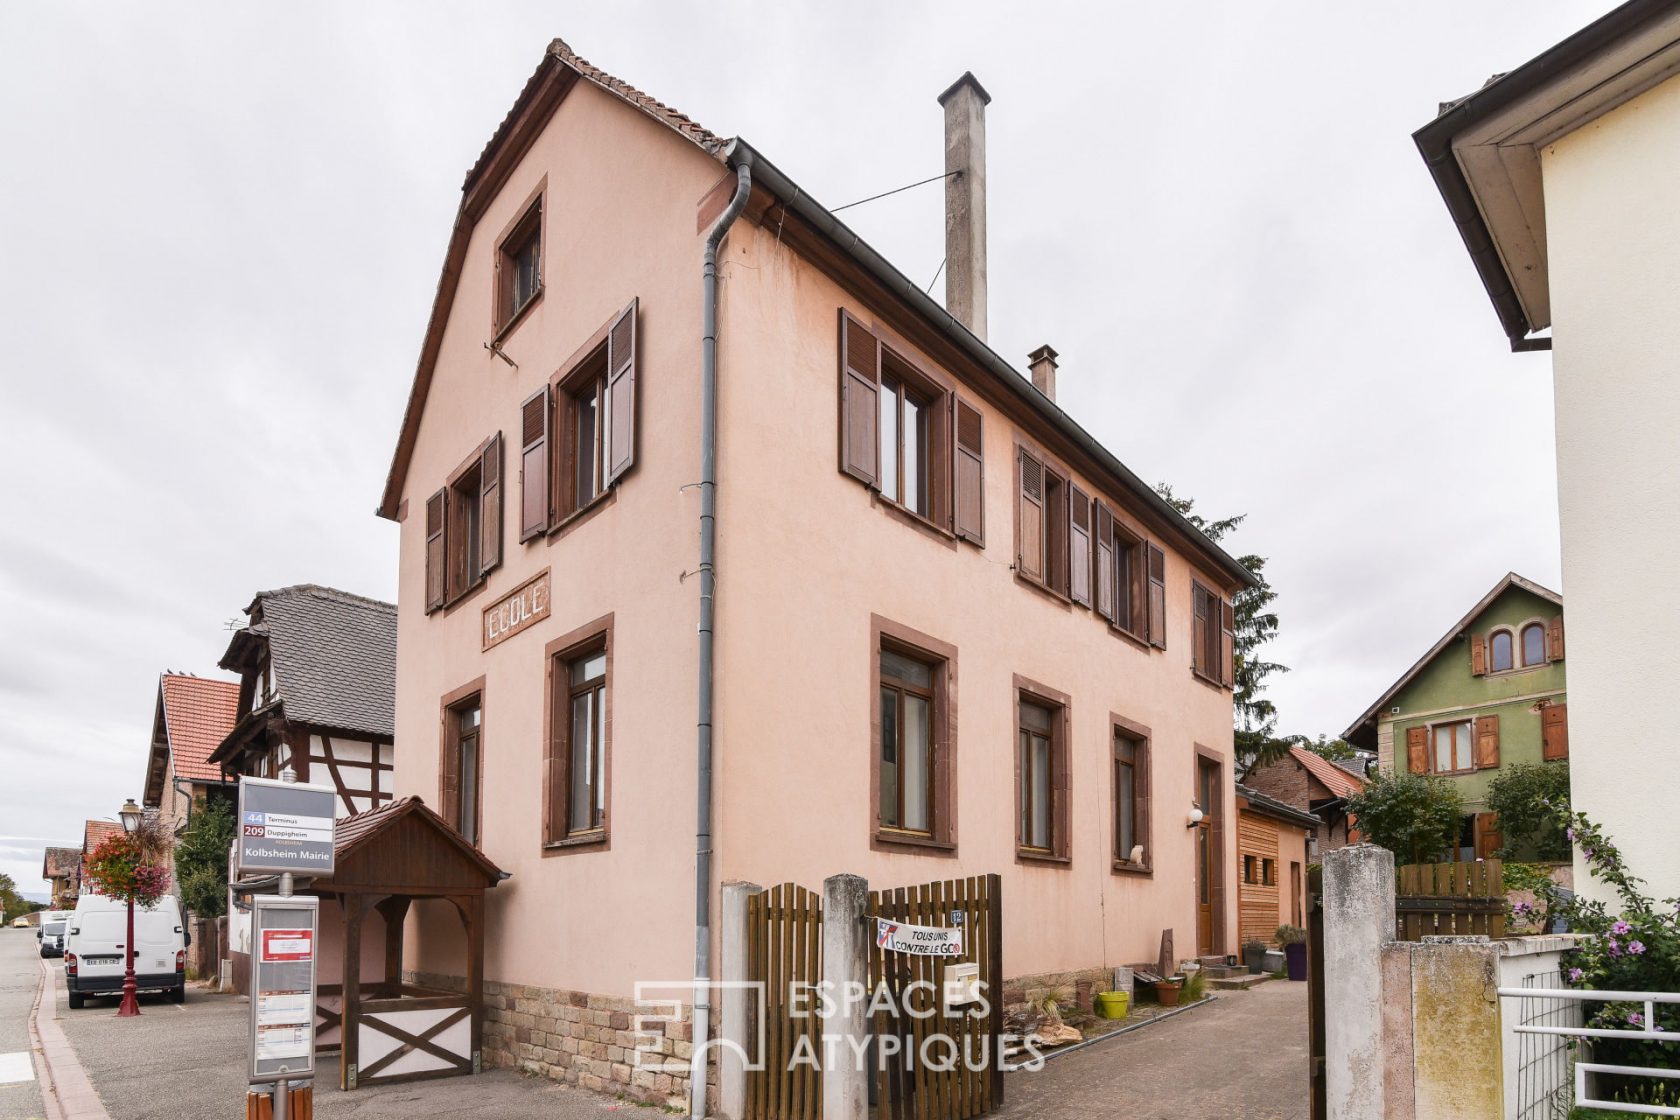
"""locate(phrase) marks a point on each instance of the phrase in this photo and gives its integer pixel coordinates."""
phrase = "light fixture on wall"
(1195, 816)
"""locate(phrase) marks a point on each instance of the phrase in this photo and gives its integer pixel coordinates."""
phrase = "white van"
(51, 932)
(96, 946)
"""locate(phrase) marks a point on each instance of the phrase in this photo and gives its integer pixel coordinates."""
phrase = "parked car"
(95, 949)
(50, 935)
(21, 923)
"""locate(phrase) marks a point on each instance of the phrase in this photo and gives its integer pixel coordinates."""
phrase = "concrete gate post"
(845, 979)
(1358, 920)
(735, 1034)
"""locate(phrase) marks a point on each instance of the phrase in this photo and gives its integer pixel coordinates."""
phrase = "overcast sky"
(221, 227)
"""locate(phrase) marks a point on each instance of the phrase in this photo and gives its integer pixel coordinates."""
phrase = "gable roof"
(1511, 579)
(60, 863)
(1335, 779)
(198, 713)
(394, 835)
(535, 104)
(334, 656)
(93, 832)
(1483, 151)
(1272, 807)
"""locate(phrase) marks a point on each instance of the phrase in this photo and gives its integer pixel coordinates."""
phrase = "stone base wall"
(1079, 984)
(585, 1039)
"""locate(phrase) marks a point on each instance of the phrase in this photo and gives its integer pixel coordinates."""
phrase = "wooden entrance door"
(1207, 854)
(1295, 892)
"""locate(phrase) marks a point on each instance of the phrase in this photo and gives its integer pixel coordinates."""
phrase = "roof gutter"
(1435, 143)
(741, 154)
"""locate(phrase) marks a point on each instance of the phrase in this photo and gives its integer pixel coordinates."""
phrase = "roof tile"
(198, 713)
(1339, 781)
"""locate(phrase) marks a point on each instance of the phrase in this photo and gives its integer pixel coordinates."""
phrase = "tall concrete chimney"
(1043, 364)
(965, 202)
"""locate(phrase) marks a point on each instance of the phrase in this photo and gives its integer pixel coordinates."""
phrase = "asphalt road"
(187, 1062)
(20, 974)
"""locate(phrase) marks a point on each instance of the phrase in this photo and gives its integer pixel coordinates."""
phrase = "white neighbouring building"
(1563, 177)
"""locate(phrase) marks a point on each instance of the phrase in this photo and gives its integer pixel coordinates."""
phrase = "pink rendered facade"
(809, 566)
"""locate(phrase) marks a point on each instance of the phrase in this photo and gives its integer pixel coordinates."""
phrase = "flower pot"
(1254, 956)
(1113, 1005)
(1296, 956)
(1166, 992)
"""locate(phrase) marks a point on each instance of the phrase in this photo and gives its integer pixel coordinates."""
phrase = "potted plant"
(1166, 991)
(1294, 942)
(1254, 955)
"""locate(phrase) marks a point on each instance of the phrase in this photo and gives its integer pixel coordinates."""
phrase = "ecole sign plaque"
(520, 609)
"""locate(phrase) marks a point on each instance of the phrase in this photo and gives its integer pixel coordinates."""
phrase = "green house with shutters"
(1490, 694)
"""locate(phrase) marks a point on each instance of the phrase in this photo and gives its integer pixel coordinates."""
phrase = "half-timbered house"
(317, 680)
(317, 672)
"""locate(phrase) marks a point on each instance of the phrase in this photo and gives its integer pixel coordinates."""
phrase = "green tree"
(1331, 750)
(12, 904)
(1418, 817)
(1256, 738)
(1528, 799)
(201, 858)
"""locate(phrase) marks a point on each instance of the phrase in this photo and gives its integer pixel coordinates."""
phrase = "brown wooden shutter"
(554, 762)
(1489, 836)
(621, 395)
(1487, 742)
(533, 465)
(1029, 527)
(1200, 625)
(860, 397)
(449, 773)
(970, 472)
(1554, 639)
(434, 549)
(1554, 732)
(1079, 546)
(1417, 750)
(1107, 584)
(490, 507)
(1228, 642)
(1157, 597)
(1478, 655)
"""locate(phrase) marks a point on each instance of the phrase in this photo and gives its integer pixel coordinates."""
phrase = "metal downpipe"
(708, 592)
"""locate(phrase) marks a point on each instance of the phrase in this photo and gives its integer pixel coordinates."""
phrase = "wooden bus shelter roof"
(404, 848)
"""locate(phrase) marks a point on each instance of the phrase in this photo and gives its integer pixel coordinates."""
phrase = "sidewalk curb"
(66, 1092)
(1161, 1018)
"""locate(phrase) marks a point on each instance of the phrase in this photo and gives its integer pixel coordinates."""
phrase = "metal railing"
(1648, 1031)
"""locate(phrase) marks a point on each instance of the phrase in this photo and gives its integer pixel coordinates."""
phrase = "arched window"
(1500, 655)
(1534, 644)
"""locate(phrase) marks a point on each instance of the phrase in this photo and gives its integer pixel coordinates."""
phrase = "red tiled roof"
(59, 863)
(95, 831)
(198, 714)
(1339, 781)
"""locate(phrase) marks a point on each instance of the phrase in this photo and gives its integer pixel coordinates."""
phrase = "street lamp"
(130, 814)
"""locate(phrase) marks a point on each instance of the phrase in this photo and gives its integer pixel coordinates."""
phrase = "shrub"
(1528, 798)
(1290, 935)
(201, 860)
(1637, 949)
(1416, 816)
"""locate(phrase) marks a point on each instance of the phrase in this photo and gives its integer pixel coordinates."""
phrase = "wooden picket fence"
(1440, 899)
(908, 1087)
(784, 951)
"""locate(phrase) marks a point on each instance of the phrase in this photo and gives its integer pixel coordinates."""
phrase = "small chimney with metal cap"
(965, 202)
(1043, 364)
